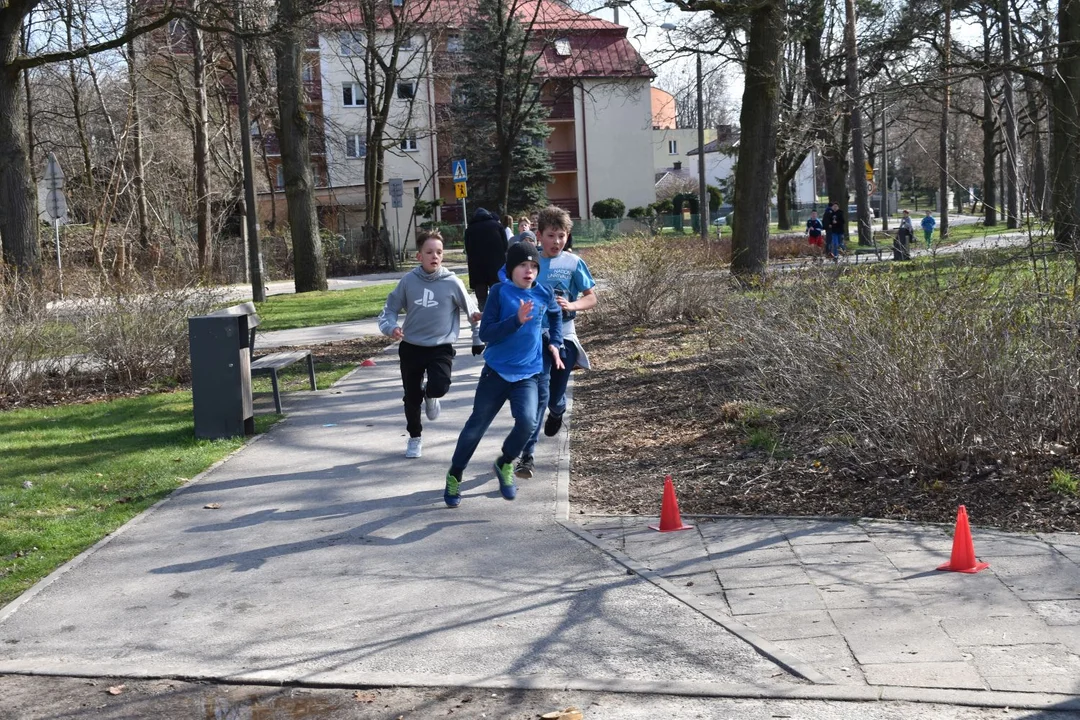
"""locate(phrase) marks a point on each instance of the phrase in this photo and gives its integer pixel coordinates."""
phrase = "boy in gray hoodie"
(432, 298)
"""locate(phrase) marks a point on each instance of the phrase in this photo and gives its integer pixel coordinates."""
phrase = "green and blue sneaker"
(505, 473)
(451, 495)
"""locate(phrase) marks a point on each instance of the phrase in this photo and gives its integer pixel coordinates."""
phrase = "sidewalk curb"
(331, 679)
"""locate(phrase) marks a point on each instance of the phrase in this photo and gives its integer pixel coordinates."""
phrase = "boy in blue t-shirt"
(569, 278)
(514, 360)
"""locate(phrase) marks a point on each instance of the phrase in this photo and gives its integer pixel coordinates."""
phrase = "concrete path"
(333, 560)
(863, 603)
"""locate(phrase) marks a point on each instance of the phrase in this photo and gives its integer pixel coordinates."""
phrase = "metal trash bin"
(221, 375)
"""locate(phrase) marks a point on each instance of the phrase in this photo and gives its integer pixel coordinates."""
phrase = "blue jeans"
(836, 241)
(551, 390)
(492, 392)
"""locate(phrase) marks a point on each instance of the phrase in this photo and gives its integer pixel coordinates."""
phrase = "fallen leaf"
(366, 697)
(115, 690)
(212, 506)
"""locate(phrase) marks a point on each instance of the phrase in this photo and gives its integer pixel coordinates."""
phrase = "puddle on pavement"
(270, 706)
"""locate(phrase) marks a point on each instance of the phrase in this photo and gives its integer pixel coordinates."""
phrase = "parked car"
(853, 211)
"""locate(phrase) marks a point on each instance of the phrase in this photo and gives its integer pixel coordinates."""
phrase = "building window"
(255, 129)
(352, 95)
(408, 143)
(355, 146)
(352, 44)
(397, 3)
(280, 176)
(309, 72)
(672, 147)
(454, 43)
(407, 42)
(406, 90)
(562, 47)
(176, 29)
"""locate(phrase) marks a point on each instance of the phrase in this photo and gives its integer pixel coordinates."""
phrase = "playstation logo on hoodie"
(428, 300)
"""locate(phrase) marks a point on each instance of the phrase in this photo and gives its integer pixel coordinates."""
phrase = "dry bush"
(32, 343)
(134, 335)
(924, 368)
(646, 279)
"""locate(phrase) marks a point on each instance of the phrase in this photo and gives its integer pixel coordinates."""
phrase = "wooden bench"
(272, 363)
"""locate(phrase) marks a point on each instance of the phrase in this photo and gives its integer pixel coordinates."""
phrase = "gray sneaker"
(432, 408)
(412, 450)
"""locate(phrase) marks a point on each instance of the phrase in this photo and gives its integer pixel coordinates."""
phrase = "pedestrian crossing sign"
(461, 190)
(461, 171)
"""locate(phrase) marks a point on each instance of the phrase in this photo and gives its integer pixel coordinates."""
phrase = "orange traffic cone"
(670, 520)
(963, 548)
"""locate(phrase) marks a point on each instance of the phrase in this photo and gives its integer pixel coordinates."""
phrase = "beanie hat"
(527, 235)
(518, 253)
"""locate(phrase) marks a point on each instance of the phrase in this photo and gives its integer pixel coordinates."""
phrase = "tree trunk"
(757, 145)
(18, 199)
(24, 42)
(1011, 134)
(1037, 181)
(202, 150)
(858, 147)
(833, 158)
(943, 140)
(294, 136)
(1065, 127)
(139, 168)
(783, 204)
(80, 121)
(989, 130)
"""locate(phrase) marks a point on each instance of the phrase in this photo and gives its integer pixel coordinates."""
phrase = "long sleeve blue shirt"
(516, 350)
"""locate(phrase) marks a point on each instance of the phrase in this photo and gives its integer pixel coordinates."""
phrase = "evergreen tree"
(501, 121)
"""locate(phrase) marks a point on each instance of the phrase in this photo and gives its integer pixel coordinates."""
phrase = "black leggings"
(416, 360)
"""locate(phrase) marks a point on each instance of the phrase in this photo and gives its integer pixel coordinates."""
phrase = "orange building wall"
(663, 109)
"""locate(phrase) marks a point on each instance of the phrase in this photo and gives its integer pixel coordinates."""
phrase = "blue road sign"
(461, 170)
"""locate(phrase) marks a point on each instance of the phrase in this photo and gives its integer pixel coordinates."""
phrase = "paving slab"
(763, 576)
(925, 675)
(1058, 612)
(333, 556)
(828, 653)
(1028, 668)
(753, 601)
(900, 636)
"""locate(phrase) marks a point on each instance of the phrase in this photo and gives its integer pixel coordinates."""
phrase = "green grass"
(1064, 482)
(75, 473)
(284, 312)
(295, 377)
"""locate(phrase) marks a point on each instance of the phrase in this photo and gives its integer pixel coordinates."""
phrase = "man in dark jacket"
(485, 248)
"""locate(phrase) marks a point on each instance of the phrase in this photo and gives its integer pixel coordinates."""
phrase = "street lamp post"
(703, 197)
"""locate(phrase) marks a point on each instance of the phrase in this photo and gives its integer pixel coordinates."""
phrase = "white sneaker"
(412, 450)
(432, 408)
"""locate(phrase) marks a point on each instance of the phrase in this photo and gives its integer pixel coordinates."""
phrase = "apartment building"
(596, 88)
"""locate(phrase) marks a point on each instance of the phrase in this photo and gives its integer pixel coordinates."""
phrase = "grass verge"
(75, 473)
(285, 312)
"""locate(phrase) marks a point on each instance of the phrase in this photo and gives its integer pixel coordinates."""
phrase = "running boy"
(568, 277)
(512, 328)
(432, 298)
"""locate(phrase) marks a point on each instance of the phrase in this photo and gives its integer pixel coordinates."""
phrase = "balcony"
(564, 160)
(561, 109)
(570, 205)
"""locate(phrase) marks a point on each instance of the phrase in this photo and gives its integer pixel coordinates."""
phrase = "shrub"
(925, 368)
(609, 209)
(648, 279)
(641, 212)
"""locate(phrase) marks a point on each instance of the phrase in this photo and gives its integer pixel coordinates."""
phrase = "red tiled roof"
(600, 54)
(598, 48)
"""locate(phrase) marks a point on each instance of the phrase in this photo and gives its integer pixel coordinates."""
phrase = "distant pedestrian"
(432, 299)
(928, 224)
(485, 250)
(836, 227)
(905, 235)
(508, 227)
(512, 325)
(815, 231)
